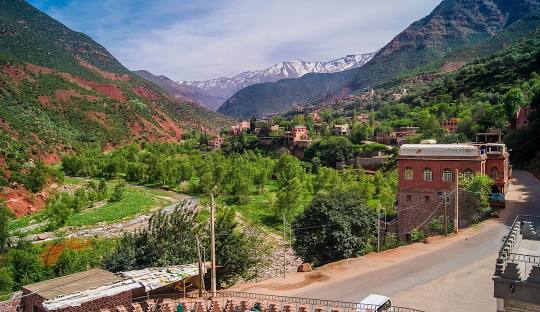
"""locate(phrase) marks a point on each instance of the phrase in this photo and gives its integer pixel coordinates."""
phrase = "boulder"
(42, 236)
(494, 214)
(304, 267)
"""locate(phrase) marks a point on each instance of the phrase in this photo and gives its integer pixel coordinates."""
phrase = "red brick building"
(451, 125)
(428, 171)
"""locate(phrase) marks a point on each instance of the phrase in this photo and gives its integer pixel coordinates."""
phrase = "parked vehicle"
(375, 303)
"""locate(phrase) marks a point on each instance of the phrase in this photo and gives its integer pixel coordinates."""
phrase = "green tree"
(118, 191)
(236, 251)
(331, 150)
(478, 187)
(25, 265)
(168, 239)
(334, 227)
(71, 261)
(288, 199)
(6, 280)
(5, 216)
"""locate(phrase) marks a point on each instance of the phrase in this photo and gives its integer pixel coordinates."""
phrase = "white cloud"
(203, 40)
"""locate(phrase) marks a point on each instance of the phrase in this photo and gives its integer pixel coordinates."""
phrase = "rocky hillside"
(224, 87)
(60, 90)
(183, 92)
(453, 25)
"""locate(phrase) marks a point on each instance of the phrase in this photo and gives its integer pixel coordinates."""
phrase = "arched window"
(468, 173)
(447, 175)
(408, 173)
(494, 172)
(428, 174)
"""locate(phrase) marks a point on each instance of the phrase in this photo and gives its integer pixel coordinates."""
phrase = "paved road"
(524, 198)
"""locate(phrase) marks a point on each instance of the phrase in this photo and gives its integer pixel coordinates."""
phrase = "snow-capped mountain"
(225, 87)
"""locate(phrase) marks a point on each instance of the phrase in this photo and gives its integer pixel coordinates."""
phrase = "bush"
(417, 235)
(391, 241)
(333, 227)
(118, 191)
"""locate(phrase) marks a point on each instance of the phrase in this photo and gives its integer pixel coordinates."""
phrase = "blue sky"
(204, 39)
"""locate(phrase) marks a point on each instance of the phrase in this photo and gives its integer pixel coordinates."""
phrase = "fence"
(262, 302)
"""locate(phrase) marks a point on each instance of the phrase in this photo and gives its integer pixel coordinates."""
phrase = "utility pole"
(284, 246)
(201, 272)
(378, 232)
(456, 204)
(213, 245)
(445, 215)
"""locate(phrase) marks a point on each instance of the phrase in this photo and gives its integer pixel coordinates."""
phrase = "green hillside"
(452, 26)
(60, 90)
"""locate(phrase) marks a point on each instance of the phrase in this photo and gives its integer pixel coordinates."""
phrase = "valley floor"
(448, 274)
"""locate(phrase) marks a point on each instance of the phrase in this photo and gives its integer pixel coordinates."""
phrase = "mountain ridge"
(224, 87)
(451, 26)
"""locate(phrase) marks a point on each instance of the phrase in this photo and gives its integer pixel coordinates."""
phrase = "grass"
(136, 201)
(259, 210)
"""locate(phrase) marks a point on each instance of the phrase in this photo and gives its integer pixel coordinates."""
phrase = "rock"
(304, 267)
(494, 214)
(427, 240)
(42, 236)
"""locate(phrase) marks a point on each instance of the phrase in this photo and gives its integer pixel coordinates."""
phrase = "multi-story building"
(428, 171)
(451, 125)
(341, 129)
(216, 142)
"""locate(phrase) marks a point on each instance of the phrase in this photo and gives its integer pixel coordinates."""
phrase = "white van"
(375, 303)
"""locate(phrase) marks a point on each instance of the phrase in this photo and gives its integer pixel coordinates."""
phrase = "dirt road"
(448, 273)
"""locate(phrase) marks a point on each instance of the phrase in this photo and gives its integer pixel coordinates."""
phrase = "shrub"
(118, 191)
(417, 235)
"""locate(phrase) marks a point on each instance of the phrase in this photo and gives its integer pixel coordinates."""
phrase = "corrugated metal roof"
(78, 298)
(439, 150)
(83, 288)
(153, 278)
(72, 283)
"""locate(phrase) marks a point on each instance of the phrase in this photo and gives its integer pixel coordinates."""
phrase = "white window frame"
(447, 175)
(427, 174)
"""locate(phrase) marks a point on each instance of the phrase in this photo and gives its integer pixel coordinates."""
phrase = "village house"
(428, 171)
(363, 118)
(451, 124)
(522, 117)
(341, 129)
(274, 127)
(239, 128)
(99, 290)
(216, 142)
(398, 137)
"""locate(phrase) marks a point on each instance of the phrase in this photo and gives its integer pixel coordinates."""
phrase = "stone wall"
(9, 305)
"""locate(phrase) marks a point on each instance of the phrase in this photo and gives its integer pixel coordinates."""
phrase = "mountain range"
(212, 93)
(454, 25)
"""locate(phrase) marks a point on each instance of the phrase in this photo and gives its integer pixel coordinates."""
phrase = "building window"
(494, 172)
(428, 174)
(468, 173)
(447, 199)
(409, 198)
(447, 175)
(408, 173)
(427, 199)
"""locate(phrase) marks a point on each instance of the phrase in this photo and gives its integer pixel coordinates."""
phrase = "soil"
(15, 73)
(100, 72)
(21, 201)
(452, 66)
(145, 93)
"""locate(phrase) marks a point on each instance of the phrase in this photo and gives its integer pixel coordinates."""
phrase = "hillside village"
(409, 182)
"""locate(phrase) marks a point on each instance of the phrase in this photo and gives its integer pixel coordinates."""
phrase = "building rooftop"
(439, 150)
(64, 285)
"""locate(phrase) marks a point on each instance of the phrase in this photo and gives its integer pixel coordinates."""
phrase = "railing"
(308, 301)
(280, 302)
(514, 257)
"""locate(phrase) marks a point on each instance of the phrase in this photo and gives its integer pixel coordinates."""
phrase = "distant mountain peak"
(224, 87)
